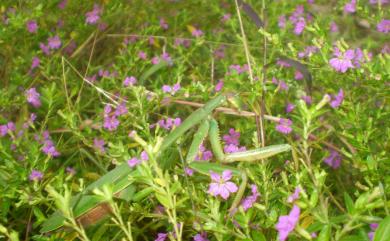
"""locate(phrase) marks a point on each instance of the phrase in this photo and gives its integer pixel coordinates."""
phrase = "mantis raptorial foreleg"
(210, 127)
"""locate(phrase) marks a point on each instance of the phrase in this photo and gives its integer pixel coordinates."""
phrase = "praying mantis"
(87, 208)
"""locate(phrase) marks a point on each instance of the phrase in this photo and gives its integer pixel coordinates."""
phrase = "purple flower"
(299, 26)
(232, 137)
(250, 200)
(307, 99)
(337, 99)
(333, 160)
(10, 126)
(35, 63)
(54, 42)
(32, 26)
(226, 17)
(33, 97)
(221, 185)
(219, 86)
(196, 32)
(373, 227)
(99, 144)
(287, 223)
(121, 109)
(201, 237)
(133, 162)
(231, 148)
(70, 170)
(142, 55)
(189, 171)
(282, 21)
(298, 75)
(35, 175)
(294, 196)
(343, 61)
(111, 123)
(62, 4)
(163, 24)
(93, 16)
(155, 60)
(333, 27)
(49, 148)
(161, 236)
(350, 7)
(383, 26)
(284, 126)
(144, 156)
(290, 107)
(45, 49)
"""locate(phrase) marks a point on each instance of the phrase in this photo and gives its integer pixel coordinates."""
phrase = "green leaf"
(258, 236)
(352, 238)
(324, 234)
(349, 203)
(206, 167)
(152, 70)
(383, 231)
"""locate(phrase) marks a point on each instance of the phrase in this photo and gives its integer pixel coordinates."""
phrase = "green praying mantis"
(86, 205)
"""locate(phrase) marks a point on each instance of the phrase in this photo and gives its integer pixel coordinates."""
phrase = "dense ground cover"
(87, 86)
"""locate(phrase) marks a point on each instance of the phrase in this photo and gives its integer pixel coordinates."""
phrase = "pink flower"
(350, 7)
(121, 109)
(49, 148)
(35, 175)
(333, 160)
(343, 61)
(45, 49)
(284, 126)
(33, 97)
(35, 63)
(93, 16)
(163, 24)
(189, 171)
(299, 26)
(221, 185)
(32, 26)
(201, 237)
(142, 55)
(373, 227)
(294, 196)
(232, 137)
(290, 107)
(54, 42)
(219, 86)
(161, 237)
(99, 144)
(197, 33)
(250, 200)
(287, 223)
(133, 162)
(62, 4)
(282, 21)
(70, 170)
(111, 123)
(337, 99)
(333, 27)
(144, 156)
(298, 75)
(383, 26)
(226, 17)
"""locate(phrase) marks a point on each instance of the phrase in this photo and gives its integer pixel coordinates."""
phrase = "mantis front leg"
(251, 155)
